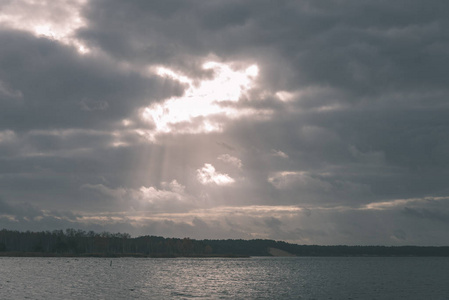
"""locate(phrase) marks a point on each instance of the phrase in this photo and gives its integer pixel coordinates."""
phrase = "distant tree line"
(260, 248)
(79, 242)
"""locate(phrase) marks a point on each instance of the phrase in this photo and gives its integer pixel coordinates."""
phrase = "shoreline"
(114, 255)
(137, 255)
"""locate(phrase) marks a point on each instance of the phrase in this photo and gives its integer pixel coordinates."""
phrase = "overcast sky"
(313, 122)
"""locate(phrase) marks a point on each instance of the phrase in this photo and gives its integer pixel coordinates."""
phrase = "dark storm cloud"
(427, 214)
(363, 48)
(388, 154)
(59, 117)
(28, 212)
(51, 86)
(356, 94)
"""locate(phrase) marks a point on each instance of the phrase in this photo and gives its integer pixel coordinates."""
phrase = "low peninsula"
(79, 243)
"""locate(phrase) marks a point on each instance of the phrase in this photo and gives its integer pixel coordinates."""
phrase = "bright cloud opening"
(201, 109)
(207, 175)
(56, 20)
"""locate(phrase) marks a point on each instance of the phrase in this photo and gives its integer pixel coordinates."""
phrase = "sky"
(312, 122)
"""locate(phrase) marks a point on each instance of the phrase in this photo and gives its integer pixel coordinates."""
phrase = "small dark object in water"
(110, 264)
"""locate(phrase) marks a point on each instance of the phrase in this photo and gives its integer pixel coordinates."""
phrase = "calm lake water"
(220, 278)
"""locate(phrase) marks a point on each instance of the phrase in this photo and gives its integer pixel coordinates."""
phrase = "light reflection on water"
(224, 278)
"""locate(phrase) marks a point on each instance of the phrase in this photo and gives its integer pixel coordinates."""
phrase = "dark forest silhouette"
(73, 242)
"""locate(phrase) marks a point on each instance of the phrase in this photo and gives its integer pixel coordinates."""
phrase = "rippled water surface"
(220, 278)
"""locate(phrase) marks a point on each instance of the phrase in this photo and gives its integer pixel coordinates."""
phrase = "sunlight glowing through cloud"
(385, 205)
(56, 20)
(172, 190)
(203, 108)
(207, 175)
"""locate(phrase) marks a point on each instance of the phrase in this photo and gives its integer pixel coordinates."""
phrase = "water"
(223, 278)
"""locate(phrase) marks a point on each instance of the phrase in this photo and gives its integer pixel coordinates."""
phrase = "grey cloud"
(360, 48)
(376, 69)
(27, 212)
(61, 89)
(365, 120)
(424, 213)
(226, 146)
(273, 222)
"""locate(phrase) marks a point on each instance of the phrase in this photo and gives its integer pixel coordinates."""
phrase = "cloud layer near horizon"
(318, 122)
